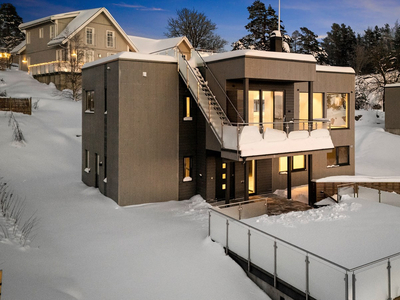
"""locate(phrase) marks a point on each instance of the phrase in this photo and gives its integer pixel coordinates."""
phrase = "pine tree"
(263, 21)
(10, 35)
(340, 45)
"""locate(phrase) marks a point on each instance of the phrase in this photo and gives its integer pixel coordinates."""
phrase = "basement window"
(340, 156)
(89, 101)
(298, 164)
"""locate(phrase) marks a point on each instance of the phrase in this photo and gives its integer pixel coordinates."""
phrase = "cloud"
(138, 7)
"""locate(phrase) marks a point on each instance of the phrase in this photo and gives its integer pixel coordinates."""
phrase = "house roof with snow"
(146, 45)
(19, 48)
(81, 19)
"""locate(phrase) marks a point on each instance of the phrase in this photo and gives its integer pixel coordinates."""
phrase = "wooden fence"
(21, 105)
(321, 190)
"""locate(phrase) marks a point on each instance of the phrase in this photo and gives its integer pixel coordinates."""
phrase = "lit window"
(338, 157)
(187, 169)
(89, 36)
(28, 37)
(89, 100)
(110, 39)
(40, 33)
(298, 163)
(336, 110)
(188, 115)
(317, 106)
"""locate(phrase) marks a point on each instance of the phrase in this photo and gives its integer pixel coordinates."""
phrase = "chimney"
(276, 41)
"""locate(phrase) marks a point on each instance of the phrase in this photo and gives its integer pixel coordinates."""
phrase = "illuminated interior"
(318, 106)
(299, 163)
(337, 109)
(252, 176)
(254, 107)
(187, 115)
(186, 167)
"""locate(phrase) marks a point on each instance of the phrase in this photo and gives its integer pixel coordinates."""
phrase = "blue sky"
(149, 18)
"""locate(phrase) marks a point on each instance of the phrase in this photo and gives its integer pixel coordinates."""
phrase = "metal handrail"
(220, 86)
(283, 241)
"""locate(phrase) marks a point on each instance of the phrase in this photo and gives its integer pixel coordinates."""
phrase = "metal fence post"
(389, 280)
(209, 223)
(227, 232)
(379, 192)
(248, 245)
(354, 286)
(275, 263)
(307, 276)
(346, 286)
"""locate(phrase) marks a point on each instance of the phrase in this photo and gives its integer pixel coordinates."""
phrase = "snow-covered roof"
(19, 48)
(393, 85)
(130, 56)
(358, 178)
(146, 45)
(81, 19)
(333, 69)
(259, 53)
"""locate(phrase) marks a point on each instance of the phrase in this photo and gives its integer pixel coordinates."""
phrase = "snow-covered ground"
(86, 247)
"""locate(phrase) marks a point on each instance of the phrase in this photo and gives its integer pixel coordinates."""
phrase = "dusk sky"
(149, 18)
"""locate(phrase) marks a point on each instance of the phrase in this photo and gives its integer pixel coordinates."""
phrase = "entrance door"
(251, 165)
(225, 183)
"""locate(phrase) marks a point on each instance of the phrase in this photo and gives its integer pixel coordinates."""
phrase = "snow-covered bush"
(17, 132)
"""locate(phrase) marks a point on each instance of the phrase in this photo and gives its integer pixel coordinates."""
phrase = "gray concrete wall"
(392, 106)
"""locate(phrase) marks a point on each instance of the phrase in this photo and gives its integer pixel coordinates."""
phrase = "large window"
(110, 39)
(271, 106)
(187, 169)
(89, 36)
(298, 164)
(317, 106)
(337, 109)
(89, 56)
(340, 156)
(89, 100)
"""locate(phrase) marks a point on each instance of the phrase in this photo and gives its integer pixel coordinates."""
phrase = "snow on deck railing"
(251, 139)
(308, 272)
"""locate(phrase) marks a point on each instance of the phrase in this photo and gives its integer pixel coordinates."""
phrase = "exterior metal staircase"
(203, 95)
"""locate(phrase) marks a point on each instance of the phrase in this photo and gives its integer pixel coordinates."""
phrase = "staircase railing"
(204, 97)
(239, 117)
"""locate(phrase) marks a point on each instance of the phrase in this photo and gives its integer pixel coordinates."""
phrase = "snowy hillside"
(86, 247)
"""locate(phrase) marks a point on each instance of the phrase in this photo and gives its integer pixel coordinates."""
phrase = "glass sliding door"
(279, 110)
(254, 107)
(268, 109)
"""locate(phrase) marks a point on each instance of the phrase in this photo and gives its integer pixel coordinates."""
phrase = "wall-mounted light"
(24, 61)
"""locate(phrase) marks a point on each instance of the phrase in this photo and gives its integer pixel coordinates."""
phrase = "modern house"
(169, 122)
(392, 106)
(52, 42)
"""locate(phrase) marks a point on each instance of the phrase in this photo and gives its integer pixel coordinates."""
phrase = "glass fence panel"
(395, 274)
(291, 266)
(372, 282)
(368, 194)
(238, 239)
(390, 198)
(262, 251)
(218, 228)
(322, 275)
(345, 190)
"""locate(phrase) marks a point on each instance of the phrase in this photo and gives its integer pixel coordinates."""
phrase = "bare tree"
(197, 28)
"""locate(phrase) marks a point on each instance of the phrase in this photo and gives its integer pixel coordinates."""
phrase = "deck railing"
(312, 274)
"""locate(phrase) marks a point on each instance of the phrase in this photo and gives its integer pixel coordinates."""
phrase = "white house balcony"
(275, 139)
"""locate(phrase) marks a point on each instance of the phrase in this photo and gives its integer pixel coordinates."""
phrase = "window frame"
(28, 37)
(52, 33)
(347, 126)
(59, 54)
(108, 45)
(283, 172)
(88, 54)
(92, 36)
(187, 112)
(89, 103)
(87, 161)
(187, 160)
(41, 33)
(337, 157)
